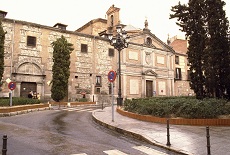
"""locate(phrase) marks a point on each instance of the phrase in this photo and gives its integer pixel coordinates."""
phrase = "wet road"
(62, 132)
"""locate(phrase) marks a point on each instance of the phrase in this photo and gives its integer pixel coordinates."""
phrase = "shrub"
(18, 101)
(82, 100)
(187, 107)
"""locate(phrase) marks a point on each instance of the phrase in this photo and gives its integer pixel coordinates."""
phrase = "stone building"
(147, 65)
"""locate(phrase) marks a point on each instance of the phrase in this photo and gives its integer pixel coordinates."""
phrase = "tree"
(217, 68)
(61, 58)
(191, 20)
(2, 40)
(206, 26)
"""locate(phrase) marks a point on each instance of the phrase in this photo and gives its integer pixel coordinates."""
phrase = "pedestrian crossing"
(79, 108)
(143, 150)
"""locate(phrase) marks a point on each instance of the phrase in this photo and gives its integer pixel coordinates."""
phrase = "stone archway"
(29, 68)
(29, 77)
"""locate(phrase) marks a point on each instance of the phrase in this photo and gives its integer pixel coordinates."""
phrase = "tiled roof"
(179, 46)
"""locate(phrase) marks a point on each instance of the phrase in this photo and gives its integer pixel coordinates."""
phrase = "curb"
(23, 112)
(136, 136)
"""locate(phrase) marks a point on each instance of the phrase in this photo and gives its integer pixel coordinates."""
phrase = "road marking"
(114, 152)
(79, 109)
(149, 150)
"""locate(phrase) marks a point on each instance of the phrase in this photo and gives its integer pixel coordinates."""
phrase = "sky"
(76, 13)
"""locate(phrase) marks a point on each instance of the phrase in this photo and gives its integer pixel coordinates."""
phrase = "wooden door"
(149, 88)
(27, 87)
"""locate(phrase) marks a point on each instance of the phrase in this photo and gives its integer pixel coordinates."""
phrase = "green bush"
(187, 107)
(18, 101)
(82, 100)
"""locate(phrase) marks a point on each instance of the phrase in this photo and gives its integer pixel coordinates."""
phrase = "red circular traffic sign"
(12, 85)
(111, 76)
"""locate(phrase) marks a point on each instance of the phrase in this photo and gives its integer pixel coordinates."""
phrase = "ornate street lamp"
(119, 41)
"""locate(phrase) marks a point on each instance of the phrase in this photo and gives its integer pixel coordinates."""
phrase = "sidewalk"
(189, 140)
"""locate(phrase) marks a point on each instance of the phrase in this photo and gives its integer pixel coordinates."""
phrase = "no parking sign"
(111, 76)
(12, 85)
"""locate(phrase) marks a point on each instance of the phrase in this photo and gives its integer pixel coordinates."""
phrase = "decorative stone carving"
(148, 59)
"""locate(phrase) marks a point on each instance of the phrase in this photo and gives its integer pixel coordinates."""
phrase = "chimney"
(60, 26)
(2, 14)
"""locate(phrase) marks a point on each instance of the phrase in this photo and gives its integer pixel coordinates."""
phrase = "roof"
(179, 46)
(130, 28)
(91, 22)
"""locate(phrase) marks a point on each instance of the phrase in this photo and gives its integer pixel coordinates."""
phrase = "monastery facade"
(147, 66)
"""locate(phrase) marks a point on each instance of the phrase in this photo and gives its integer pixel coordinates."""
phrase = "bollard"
(93, 98)
(208, 141)
(102, 106)
(168, 135)
(4, 145)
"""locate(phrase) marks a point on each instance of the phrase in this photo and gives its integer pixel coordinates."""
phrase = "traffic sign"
(12, 85)
(111, 76)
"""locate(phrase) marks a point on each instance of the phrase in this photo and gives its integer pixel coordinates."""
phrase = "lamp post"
(119, 42)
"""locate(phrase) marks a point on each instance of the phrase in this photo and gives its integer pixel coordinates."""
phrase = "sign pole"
(11, 86)
(112, 102)
(10, 98)
(111, 78)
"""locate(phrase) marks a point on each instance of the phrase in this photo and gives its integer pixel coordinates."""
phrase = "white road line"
(78, 109)
(148, 150)
(114, 152)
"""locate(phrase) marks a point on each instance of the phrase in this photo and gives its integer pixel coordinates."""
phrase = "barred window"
(31, 41)
(98, 81)
(98, 90)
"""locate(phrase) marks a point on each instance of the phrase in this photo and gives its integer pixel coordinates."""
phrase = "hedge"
(17, 101)
(186, 107)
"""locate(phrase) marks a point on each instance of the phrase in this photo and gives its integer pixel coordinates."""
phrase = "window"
(178, 74)
(112, 20)
(188, 75)
(111, 52)
(177, 60)
(84, 48)
(98, 90)
(149, 41)
(98, 81)
(31, 41)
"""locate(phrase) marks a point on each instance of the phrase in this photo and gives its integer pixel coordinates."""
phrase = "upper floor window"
(188, 75)
(31, 41)
(177, 60)
(112, 20)
(84, 48)
(178, 75)
(111, 52)
(149, 41)
(98, 80)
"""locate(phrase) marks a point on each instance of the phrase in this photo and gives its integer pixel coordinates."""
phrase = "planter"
(22, 108)
(177, 121)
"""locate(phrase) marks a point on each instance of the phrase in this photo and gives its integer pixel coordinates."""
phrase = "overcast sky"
(76, 13)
